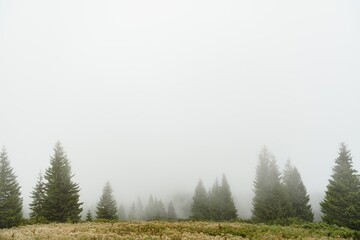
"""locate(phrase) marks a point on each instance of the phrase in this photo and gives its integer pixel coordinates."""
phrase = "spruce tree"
(89, 217)
(159, 211)
(62, 194)
(171, 213)
(215, 201)
(200, 205)
(121, 213)
(38, 198)
(260, 204)
(271, 201)
(10, 196)
(106, 207)
(278, 199)
(140, 214)
(298, 196)
(227, 206)
(341, 205)
(132, 212)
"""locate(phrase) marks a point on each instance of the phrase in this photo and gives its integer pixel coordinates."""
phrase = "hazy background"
(154, 95)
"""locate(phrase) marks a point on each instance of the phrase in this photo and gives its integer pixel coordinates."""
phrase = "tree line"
(278, 196)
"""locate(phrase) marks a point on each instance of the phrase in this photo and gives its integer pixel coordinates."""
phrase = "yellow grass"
(155, 230)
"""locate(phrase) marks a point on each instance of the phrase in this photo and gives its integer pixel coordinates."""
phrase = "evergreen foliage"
(89, 217)
(132, 212)
(200, 206)
(227, 205)
(10, 196)
(62, 194)
(38, 198)
(217, 204)
(155, 209)
(271, 201)
(121, 213)
(139, 209)
(214, 200)
(298, 196)
(106, 207)
(171, 213)
(341, 205)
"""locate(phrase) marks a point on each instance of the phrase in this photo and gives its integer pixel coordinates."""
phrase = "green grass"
(176, 230)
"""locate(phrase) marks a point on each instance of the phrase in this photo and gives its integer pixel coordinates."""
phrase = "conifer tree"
(159, 211)
(121, 213)
(171, 213)
(10, 196)
(297, 194)
(139, 209)
(341, 205)
(38, 198)
(215, 201)
(106, 207)
(271, 201)
(150, 209)
(260, 204)
(89, 217)
(62, 194)
(132, 212)
(227, 206)
(200, 205)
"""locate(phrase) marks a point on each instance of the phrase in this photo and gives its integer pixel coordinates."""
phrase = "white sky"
(154, 95)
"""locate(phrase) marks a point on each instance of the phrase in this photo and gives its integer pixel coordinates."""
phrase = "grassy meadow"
(175, 230)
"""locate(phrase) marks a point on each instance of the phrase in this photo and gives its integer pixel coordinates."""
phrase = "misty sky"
(154, 95)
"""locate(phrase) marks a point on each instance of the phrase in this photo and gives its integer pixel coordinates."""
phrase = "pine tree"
(171, 213)
(10, 196)
(150, 209)
(271, 201)
(227, 206)
(139, 209)
(341, 205)
(121, 213)
(132, 212)
(106, 207)
(159, 211)
(62, 194)
(279, 202)
(297, 194)
(215, 201)
(200, 205)
(89, 217)
(260, 204)
(38, 198)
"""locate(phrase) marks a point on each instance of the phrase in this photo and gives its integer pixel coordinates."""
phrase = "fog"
(154, 95)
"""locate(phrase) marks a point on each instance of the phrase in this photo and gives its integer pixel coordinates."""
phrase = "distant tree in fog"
(38, 198)
(227, 205)
(150, 209)
(297, 194)
(62, 194)
(139, 209)
(132, 212)
(214, 201)
(121, 213)
(200, 205)
(341, 205)
(171, 213)
(106, 207)
(89, 217)
(10, 196)
(217, 204)
(271, 201)
(155, 209)
(160, 211)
